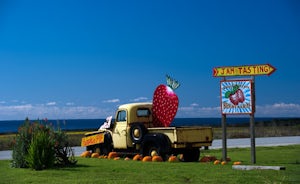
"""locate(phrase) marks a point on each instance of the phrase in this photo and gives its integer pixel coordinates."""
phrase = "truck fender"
(107, 146)
(159, 140)
(107, 138)
(137, 132)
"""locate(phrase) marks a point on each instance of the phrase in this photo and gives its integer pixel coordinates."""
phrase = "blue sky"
(81, 59)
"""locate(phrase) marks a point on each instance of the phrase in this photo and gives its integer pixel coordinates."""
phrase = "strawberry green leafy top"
(172, 83)
(231, 92)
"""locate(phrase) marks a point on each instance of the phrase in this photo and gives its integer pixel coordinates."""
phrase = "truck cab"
(126, 117)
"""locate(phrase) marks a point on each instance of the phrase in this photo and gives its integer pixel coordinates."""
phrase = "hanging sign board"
(246, 70)
(236, 97)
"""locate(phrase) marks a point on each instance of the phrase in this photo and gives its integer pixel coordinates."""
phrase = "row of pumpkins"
(137, 157)
(215, 161)
(155, 158)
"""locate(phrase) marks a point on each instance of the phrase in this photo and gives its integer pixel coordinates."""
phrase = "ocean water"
(93, 124)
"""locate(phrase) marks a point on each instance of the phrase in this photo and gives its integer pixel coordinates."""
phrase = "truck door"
(119, 132)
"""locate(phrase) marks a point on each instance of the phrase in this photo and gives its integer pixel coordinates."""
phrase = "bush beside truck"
(38, 145)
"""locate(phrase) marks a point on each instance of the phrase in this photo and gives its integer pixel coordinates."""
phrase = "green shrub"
(21, 145)
(41, 153)
(37, 145)
(64, 154)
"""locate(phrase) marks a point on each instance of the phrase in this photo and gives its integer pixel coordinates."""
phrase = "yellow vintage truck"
(132, 132)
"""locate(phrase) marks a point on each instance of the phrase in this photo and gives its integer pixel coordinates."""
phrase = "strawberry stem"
(172, 83)
(235, 88)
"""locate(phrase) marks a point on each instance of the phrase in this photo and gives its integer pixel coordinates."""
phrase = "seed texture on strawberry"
(165, 103)
(240, 95)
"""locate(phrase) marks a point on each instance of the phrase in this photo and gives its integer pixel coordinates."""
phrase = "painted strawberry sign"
(236, 97)
(165, 103)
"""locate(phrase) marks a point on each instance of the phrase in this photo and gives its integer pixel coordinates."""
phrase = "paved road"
(264, 141)
(231, 143)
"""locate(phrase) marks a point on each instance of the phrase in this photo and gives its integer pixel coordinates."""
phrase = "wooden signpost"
(238, 97)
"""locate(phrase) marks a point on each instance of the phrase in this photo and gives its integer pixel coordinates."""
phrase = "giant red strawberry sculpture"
(165, 103)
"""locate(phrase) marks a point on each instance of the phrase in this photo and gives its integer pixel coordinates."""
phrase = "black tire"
(94, 148)
(97, 148)
(90, 148)
(154, 147)
(137, 132)
(191, 155)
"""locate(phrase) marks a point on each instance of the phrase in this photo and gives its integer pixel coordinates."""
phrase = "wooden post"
(252, 136)
(224, 138)
(252, 126)
(224, 134)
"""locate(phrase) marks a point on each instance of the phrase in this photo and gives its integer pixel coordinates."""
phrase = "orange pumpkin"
(173, 158)
(95, 155)
(216, 162)
(101, 156)
(112, 155)
(157, 159)
(223, 162)
(86, 154)
(237, 163)
(116, 158)
(137, 157)
(126, 158)
(147, 159)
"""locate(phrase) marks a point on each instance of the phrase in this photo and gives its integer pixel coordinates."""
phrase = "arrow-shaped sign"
(246, 70)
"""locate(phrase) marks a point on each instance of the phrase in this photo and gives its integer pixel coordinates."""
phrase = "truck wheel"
(105, 149)
(191, 155)
(137, 132)
(154, 149)
(95, 148)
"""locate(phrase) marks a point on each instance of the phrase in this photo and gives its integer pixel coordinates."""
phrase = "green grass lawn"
(94, 170)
